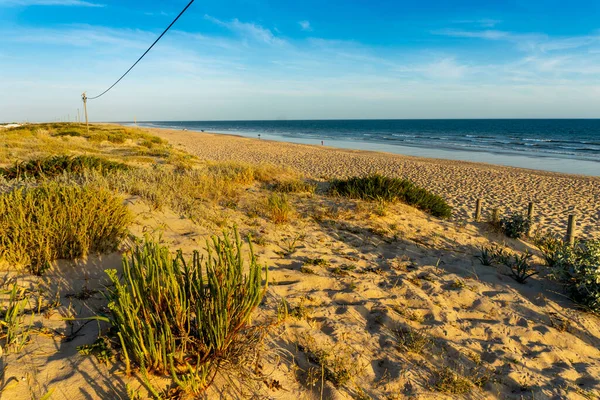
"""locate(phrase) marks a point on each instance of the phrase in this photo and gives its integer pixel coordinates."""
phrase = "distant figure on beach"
(201, 130)
(184, 129)
(322, 143)
(259, 135)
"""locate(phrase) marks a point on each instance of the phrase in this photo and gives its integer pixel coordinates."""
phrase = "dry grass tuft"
(52, 221)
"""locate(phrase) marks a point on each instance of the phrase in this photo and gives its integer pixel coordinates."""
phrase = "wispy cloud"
(305, 26)
(67, 3)
(248, 30)
(525, 41)
(483, 22)
(81, 35)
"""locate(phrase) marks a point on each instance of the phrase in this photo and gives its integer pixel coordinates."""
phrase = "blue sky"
(259, 59)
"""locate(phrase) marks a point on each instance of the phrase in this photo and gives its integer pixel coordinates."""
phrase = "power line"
(149, 48)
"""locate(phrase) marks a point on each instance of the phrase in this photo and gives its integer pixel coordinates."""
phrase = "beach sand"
(392, 303)
(460, 183)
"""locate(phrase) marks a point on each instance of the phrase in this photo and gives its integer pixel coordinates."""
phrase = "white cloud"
(305, 26)
(248, 30)
(249, 71)
(525, 41)
(483, 22)
(69, 3)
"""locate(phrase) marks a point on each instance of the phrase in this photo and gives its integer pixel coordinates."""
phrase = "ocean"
(561, 145)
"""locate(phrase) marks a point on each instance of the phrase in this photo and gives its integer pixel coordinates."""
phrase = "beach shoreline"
(461, 182)
(515, 150)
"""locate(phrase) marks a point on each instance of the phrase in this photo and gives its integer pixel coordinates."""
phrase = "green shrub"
(49, 167)
(382, 188)
(41, 224)
(556, 252)
(577, 267)
(515, 226)
(185, 318)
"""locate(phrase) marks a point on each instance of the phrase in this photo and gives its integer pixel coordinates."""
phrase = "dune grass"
(383, 188)
(53, 221)
(35, 141)
(293, 186)
(184, 318)
(279, 208)
(49, 167)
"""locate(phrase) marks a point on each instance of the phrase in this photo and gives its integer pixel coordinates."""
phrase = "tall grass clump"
(383, 188)
(56, 221)
(279, 208)
(184, 318)
(576, 266)
(49, 167)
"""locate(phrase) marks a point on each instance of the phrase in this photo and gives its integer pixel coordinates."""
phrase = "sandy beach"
(364, 300)
(461, 183)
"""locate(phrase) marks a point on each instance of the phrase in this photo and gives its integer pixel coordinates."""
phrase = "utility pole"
(84, 98)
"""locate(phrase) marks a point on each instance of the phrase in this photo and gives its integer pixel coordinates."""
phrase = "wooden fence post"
(571, 226)
(478, 210)
(495, 215)
(530, 211)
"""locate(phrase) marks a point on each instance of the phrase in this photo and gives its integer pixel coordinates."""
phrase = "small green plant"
(412, 340)
(519, 266)
(382, 188)
(101, 349)
(14, 335)
(279, 208)
(515, 226)
(317, 262)
(290, 244)
(486, 255)
(186, 319)
(492, 254)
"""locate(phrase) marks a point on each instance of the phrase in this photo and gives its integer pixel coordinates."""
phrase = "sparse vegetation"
(446, 380)
(49, 167)
(184, 318)
(382, 188)
(577, 267)
(318, 262)
(53, 221)
(493, 254)
(412, 340)
(335, 364)
(14, 333)
(293, 186)
(515, 226)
